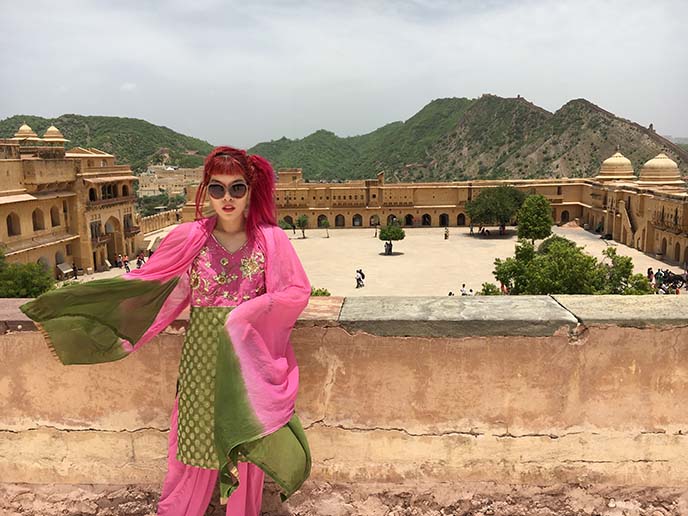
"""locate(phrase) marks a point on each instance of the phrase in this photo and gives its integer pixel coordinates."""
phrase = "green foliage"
(319, 292)
(497, 205)
(559, 266)
(490, 289)
(134, 142)
(23, 280)
(283, 224)
(391, 232)
(535, 218)
(302, 224)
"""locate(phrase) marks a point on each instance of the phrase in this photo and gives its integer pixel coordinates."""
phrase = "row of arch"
(676, 255)
(109, 191)
(37, 218)
(374, 220)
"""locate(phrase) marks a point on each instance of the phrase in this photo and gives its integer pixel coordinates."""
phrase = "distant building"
(648, 212)
(162, 178)
(61, 207)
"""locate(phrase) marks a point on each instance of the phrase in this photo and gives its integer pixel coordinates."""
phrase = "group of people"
(667, 282)
(463, 291)
(483, 231)
(123, 261)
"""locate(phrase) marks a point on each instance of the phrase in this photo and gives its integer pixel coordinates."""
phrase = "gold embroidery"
(195, 279)
(252, 265)
(224, 261)
(221, 278)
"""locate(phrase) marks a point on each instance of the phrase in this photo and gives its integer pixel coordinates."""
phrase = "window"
(54, 216)
(37, 218)
(13, 225)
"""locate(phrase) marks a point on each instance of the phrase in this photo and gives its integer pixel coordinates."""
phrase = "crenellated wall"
(512, 390)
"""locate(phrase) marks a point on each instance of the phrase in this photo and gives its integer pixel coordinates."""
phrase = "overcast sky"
(239, 73)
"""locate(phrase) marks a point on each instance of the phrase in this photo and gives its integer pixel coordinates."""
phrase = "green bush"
(319, 292)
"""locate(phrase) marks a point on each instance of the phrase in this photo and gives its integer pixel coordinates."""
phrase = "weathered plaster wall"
(511, 390)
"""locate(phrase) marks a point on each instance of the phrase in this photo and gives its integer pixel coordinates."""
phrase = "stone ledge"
(461, 316)
(630, 311)
(458, 316)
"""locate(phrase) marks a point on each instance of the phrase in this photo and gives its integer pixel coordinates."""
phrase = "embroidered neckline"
(224, 248)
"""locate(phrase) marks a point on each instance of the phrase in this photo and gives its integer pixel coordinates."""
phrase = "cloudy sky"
(241, 72)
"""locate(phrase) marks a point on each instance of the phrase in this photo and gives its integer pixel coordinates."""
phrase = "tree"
(324, 223)
(391, 232)
(23, 280)
(535, 218)
(559, 266)
(283, 224)
(496, 205)
(302, 224)
(490, 289)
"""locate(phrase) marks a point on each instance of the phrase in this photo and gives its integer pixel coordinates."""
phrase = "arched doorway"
(564, 216)
(322, 219)
(408, 220)
(357, 220)
(115, 244)
(677, 252)
(374, 220)
(339, 221)
(427, 219)
(289, 220)
(59, 258)
(391, 219)
(664, 247)
(444, 220)
(43, 262)
(461, 220)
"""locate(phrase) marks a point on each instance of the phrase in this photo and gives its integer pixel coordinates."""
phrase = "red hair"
(258, 174)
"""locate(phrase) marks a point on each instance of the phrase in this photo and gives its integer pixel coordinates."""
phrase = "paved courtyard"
(424, 264)
(427, 265)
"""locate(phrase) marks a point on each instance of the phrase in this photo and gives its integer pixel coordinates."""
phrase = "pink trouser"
(187, 489)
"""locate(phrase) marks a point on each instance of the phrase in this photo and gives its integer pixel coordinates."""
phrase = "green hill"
(134, 142)
(485, 138)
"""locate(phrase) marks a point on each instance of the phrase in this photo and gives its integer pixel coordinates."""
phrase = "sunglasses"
(236, 190)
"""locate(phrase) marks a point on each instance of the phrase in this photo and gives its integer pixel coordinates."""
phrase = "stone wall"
(527, 391)
(159, 221)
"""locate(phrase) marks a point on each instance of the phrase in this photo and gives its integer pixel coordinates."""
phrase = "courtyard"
(424, 263)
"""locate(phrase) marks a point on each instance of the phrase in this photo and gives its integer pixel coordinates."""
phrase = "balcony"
(669, 223)
(101, 239)
(421, 396)
(131, 231)
(109, 202)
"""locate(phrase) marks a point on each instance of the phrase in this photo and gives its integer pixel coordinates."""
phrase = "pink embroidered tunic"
(221, 278)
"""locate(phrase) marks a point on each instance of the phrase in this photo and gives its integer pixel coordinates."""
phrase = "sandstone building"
(61, 207)
(159, 178)
(648, 212)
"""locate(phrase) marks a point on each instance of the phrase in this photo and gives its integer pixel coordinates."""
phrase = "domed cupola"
(616, 168)
(660, 171)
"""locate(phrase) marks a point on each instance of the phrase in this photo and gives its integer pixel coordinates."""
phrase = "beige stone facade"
(61, 207)
(648, 212)
(159, 178)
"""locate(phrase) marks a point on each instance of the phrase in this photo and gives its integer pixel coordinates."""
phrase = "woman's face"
(227, 207)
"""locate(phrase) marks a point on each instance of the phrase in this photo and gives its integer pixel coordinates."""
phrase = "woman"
(238, 378)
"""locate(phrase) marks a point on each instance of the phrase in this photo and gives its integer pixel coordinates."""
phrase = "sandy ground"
(423, 264)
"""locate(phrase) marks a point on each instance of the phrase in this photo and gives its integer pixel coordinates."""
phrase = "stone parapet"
(527, 391)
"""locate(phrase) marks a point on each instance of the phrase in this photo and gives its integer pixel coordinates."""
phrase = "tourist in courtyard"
(74, 270)
(463, 290)
(470, 227)
(234, 411)
(446, 233)
(360, 278)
